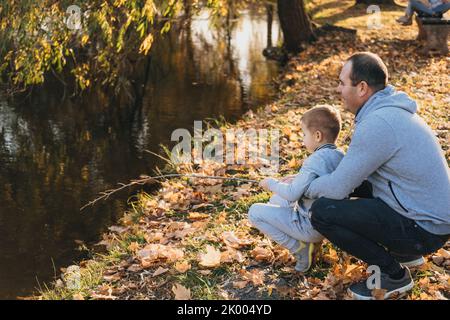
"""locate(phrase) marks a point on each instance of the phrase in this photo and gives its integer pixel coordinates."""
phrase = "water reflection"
(56, 154)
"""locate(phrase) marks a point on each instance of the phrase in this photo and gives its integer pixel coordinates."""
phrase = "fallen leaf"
(444, 253)
(112, 277)
(153, 252)
(134, 268)
(173, 254)
(198, 216)
(378, 294)
(182, 266)
(240, 284)
(77, 296)
(198, 225)
(159, 271)
(331, 257)
(262, 254)
(117, 229)
(205, 272)
(231, 255)
(181, 292)
(222, 218)
(255, 276)
(232, 240)
(211, 258)
(133, 247)
(153, 236)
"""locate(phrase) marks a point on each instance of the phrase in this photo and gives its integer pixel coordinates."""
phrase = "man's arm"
(373, 143)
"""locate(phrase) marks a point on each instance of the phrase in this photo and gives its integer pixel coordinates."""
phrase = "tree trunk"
(295, 24)
(269, 9)
(369, 2)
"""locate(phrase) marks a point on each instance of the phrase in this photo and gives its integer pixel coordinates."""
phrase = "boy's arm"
(294, 190)
(372, 145)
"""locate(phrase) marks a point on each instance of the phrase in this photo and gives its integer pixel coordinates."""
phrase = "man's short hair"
(368, 67)
(325, 119)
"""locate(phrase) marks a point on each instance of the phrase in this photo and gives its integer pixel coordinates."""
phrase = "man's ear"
(363, 89)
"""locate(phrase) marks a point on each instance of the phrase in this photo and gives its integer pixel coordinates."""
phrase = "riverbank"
(191, 239)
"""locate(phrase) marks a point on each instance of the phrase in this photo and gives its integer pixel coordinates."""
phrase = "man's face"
(351, 95)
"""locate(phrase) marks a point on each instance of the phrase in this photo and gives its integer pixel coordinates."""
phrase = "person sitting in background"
(430, 7)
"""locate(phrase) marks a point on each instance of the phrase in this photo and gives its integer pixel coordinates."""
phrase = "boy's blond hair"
(323, 118)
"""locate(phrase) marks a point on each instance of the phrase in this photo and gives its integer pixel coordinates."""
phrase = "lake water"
(57, 151)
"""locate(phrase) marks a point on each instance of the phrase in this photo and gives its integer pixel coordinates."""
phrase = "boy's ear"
(318, 136)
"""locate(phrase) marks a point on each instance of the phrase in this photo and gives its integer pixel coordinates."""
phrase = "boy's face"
(311, 139)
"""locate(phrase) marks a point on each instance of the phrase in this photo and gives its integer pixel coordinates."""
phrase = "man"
(407, 213)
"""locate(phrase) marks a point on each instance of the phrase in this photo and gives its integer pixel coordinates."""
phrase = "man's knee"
(323, 210)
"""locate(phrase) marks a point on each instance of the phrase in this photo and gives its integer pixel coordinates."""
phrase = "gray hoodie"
(399, 154)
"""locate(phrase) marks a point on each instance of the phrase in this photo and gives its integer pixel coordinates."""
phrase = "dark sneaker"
(360, 291)
(405, 20)
(409, 261)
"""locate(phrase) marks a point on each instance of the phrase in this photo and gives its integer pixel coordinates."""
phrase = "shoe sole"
(400, 291)
(414, 263)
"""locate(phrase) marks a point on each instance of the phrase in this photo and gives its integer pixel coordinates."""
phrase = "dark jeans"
(369, 229)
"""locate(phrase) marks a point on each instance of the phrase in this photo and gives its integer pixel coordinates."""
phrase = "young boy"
(430, 7)
(288, 224)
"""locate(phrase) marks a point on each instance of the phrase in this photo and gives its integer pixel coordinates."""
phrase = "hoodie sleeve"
(293, 191)
(373, 143)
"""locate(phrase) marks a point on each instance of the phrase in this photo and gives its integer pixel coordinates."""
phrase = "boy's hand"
(264, 183)
(287, 179)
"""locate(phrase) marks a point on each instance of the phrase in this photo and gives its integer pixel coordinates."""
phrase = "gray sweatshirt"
(321, 162)
(399, 154)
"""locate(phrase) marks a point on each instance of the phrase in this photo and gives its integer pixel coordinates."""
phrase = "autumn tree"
(295, 24)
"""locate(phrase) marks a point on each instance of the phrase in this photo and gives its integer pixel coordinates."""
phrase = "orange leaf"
(198, 216)
(182, 266)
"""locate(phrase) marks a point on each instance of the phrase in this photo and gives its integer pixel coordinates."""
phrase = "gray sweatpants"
(279, 220)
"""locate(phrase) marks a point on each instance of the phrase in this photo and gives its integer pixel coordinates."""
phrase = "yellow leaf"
(294, 163)
(84, 39)
(133, 247)
(77, 296)
(146, 44)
